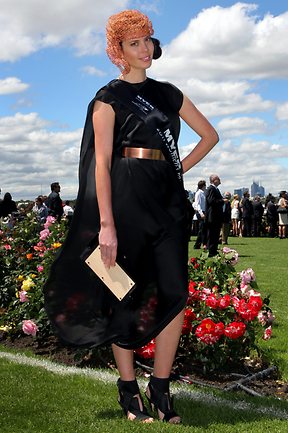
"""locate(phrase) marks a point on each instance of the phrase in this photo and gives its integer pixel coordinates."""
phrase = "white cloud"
(227, 44)
(221, 53)
(26, 28)
(32, 156)
(12, 85)
(91, 70)
(147, 6)
(235, 127)
(222, 98)
(282, 111)
(238, 165)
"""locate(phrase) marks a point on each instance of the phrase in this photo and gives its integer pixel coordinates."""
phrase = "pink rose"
(262, 318)
(29, 327)
(247, 276)
(23, 296)
(226, 250)
(270, 317)
(206, 291)
(44, 234)
(40, 268)
(235, 301)
(244, 288)
(50, 220)
(253, 293)
(233, 255)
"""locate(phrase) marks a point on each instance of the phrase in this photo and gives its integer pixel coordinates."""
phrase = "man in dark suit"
(272, 216)
(226, 223)
(258, 211)
(54, 202)
(214, 214)
(247, 213)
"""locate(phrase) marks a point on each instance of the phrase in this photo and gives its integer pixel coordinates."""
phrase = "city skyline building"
(257, 189)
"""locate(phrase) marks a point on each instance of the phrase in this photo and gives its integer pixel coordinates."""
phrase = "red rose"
(189, 315)
(186, 327)
(193, 260)
(246, 310)
(193, 294)
(147, 351)
(211, 301)
(255, 302)
(209, 332)
(235, 330)
(224, 302)
(267, 333)
(219, 329)
(192, 285)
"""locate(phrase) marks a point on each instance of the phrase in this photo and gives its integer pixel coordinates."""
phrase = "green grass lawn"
(269, 260)
(36, 400)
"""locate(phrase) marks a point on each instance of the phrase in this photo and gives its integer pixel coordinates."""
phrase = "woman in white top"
(283, 214)
(235, 214)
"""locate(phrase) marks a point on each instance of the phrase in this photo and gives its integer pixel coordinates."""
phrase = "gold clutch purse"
(115, 278)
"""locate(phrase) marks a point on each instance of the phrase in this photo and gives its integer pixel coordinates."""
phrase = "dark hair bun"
(157, 49)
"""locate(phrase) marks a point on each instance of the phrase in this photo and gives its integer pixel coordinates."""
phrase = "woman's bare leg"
(166, 345)
(125, 362)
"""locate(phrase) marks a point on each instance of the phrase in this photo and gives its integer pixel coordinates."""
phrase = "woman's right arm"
(103, 124)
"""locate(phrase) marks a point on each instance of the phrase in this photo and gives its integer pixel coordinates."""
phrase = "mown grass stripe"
(179, 389)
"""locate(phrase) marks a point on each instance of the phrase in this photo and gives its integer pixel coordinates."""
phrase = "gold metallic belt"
(142, 153)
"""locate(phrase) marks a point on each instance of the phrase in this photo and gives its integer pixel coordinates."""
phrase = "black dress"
(149, 207)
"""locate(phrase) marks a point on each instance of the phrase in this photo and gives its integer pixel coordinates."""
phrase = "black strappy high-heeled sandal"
(162, 402)
(131, 401)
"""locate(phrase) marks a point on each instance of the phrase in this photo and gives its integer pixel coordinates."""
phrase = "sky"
(229, 58)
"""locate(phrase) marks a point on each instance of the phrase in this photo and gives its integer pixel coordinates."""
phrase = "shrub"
(225, 314)
(27, 251)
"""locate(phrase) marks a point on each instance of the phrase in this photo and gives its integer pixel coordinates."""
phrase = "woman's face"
(138, 52)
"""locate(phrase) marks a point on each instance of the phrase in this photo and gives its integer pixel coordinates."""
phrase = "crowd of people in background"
(42, 207)
(213, 217)
(216, 216)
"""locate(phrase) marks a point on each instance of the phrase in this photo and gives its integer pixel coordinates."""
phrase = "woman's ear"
(157, 49)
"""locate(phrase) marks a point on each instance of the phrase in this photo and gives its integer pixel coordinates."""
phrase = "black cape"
(149, 207)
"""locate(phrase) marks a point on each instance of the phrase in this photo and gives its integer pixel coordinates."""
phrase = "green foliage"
(226, 315)
(27, 251)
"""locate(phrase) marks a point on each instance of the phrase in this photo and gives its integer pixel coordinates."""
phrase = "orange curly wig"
(129, 23)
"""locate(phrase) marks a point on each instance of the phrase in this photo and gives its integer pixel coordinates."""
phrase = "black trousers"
(202, 233)
(247, 226)
(213, 234)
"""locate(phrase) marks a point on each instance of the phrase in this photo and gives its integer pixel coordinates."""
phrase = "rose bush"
(225, 314)
(26, 256)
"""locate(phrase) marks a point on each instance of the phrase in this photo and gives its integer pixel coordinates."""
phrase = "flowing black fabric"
(149, 208)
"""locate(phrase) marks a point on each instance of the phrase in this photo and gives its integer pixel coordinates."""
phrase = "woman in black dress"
(138, 208)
